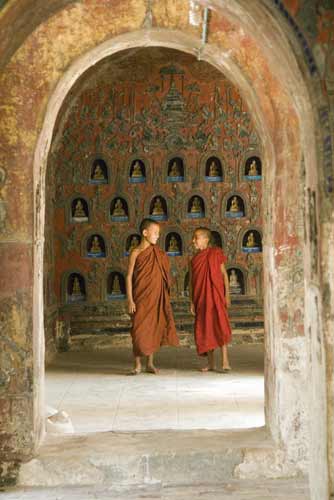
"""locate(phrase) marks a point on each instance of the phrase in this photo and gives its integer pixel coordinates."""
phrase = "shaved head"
(204, 231)
(146, 223)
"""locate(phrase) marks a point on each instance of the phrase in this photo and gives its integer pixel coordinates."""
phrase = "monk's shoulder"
(217, 252)
(135, 252)
(160, 252)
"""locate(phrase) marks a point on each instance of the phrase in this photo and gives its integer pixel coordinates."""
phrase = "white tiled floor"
(99, 396)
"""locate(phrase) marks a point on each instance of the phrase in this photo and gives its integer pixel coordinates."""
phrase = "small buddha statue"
(136, 171)
(196, 206)
(173, 245)
(116, 287)
(234, 283)
(134, 243)
(76, 290)
(79, 210)
(98, 173)
(175, 170)
(213, 170)
(250, 241)
(253, 169)
(234, 205)
(95, 246)
(118, 209)
(157, 207)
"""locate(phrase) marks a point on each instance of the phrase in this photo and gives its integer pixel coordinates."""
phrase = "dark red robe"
(212, 326)
(153, 322)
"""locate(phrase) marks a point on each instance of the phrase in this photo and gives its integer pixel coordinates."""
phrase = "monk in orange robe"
(210, 299)
(148, 287)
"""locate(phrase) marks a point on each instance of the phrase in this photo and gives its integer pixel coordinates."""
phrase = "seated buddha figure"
(98, 174)
(175, 170)
(234, 282)
(134, 242)
(253, 169)
(234, 278)
(95, 245)
(118, 209)
(157, 207)
(196, 206)
(213, 170)
(136, 171)
(251, 243)
(79, 210)
(76, 289)
(173, 245)
(116, 287)
(234, 205)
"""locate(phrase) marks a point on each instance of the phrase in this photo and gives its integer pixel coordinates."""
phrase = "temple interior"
(152, 133)
(149, 133)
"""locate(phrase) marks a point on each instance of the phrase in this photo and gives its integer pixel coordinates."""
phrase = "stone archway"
(286, 263)
(274, 406)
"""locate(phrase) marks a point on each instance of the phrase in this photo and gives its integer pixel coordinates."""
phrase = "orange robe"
(212, 326)
(153, 322)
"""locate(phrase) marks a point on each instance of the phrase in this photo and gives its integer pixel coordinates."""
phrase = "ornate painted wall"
(153, 133)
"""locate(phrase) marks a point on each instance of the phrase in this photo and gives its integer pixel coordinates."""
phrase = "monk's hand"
(228, 301)
(131, 307)
(192, 309)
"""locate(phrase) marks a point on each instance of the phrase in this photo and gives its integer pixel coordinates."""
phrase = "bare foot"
(135, 371)
(207, 369)
(152, 369)
(226, 369)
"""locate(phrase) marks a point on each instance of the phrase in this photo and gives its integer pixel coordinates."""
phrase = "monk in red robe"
(210, 299)
(148, 287)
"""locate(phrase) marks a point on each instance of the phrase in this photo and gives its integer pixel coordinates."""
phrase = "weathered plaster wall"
(25, 87)
(316, 20)
(250, 56)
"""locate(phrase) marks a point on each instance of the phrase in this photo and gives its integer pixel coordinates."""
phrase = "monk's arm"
(192, 307)
(132, 261)
(227, 285)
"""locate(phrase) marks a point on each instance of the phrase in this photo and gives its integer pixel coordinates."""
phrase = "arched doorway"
(274, 204)
(153, 132)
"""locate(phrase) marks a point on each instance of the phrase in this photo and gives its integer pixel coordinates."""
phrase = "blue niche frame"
(257, 248)
(99, 161)
(248, 162)
(179, 240)
(138, 179)
(181, 164)
(125, 206)
(95, 255)
(215, 159)
(158, 217)
(70, 207)
(195, 215)
(235, 214)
